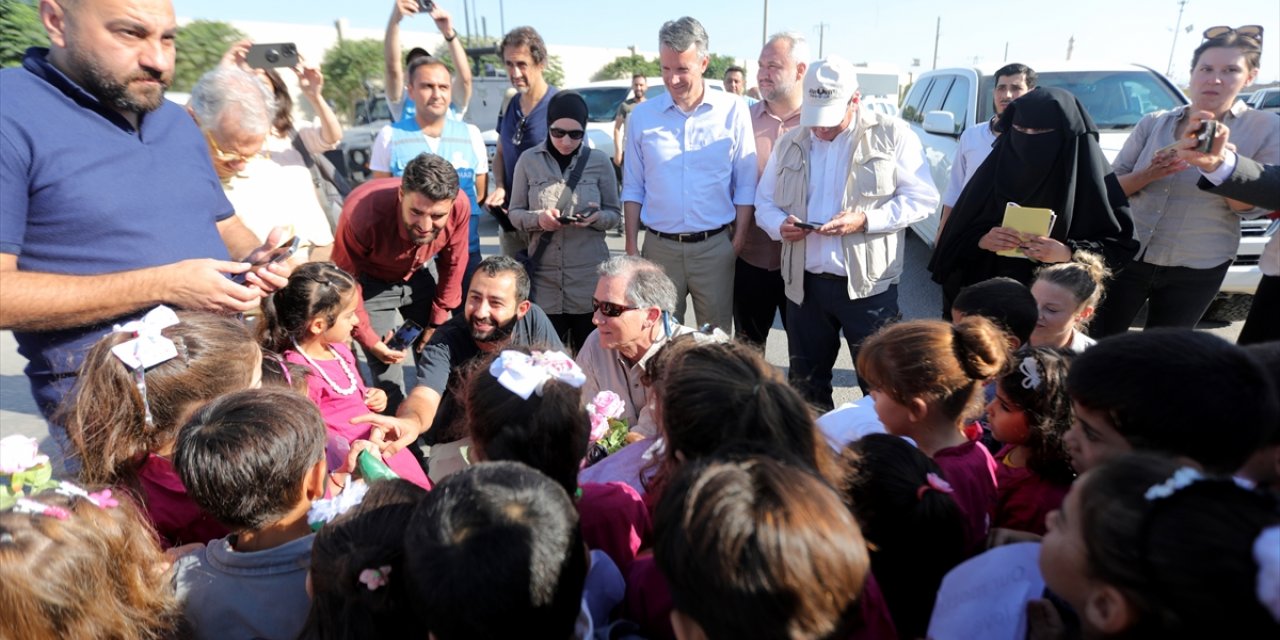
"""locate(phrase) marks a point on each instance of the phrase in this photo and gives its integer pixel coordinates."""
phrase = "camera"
(264, 56)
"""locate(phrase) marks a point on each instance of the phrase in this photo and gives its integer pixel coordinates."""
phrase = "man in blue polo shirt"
(108, 201)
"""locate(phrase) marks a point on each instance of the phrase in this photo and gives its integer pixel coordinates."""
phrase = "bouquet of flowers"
(608, 428)
(23, 469)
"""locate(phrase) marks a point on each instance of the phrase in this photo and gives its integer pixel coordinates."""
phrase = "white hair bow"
(1266, 552)
(523, 374)
(148, 348)
(1030, 372)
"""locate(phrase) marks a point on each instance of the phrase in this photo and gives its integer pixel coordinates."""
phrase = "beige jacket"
(874, 260)
(565, 276)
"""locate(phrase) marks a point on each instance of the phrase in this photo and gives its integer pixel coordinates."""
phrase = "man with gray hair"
(234, 109)
(690, 177)
(840, 191)
(757, 283)
(633, 305)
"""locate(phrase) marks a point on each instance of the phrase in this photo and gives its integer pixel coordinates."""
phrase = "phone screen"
(405, 335)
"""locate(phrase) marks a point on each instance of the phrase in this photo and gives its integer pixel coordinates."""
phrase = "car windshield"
(602, 102)
(1116, 100)
(1270, 100)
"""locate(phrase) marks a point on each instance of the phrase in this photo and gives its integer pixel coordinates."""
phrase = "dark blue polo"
(82, 192)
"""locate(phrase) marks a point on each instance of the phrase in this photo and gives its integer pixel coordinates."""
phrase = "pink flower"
(608, 404)
(599, 426)
(19, 453)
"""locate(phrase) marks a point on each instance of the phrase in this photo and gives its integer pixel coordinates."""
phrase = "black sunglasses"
(610, 309)
(1251, 31)
(557, 132)
(519, 135)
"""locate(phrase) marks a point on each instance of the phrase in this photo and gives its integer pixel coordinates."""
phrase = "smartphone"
(279, 254)
(805, 225)
(280, 54)
(1205, 134)
(405, 336)
(569, 219)
(426, 6)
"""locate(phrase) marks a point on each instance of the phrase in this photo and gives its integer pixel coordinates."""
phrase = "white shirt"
(278, 191)
(975, 146)
(914, 197)
(689, 170)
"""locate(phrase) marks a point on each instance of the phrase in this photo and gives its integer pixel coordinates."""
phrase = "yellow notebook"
(1026, 220)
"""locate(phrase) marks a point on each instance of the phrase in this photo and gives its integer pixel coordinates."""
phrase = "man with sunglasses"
(524, 122)
(632, 304)
(108, 202)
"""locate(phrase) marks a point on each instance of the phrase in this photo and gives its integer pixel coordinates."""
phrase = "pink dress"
(177, 518)
(615, 520)
(339, 409)
(1024, 499)
(971, 471)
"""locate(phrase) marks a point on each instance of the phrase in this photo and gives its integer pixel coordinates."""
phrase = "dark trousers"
(573, 329)
(389, 304)
(813, 332)
(1263, 323)
(757, 295)
(1175, 297)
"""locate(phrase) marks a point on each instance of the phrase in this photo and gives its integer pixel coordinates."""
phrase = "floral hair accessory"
(1181, 479)
(1266, 552)
(1030, 371)
(524, 374)
(23, 469)
(936, 483)
(19, 453)
(608, 428)
(374, 578)
(147, 349)
(101, 499)
(25, 505)
(324, 511)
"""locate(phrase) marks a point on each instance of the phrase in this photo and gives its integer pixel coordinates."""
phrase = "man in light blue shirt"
(690, 177)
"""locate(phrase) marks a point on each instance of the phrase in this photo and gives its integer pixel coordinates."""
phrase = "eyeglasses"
(610, 309)
(1251, 31)
(225, 156)
(557, 132)
(519, 134)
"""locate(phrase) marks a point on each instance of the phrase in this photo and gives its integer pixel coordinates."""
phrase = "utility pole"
(937, 33)
(822, 30)
(466, 19)
(764, 30)
(1071, 45)
(1182, 4)
(502, 17)
(1006, 50)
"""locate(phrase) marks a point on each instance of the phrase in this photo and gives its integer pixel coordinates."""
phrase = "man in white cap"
(839, 191)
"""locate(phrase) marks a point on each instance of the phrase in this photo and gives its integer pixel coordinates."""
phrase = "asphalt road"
(918, 297)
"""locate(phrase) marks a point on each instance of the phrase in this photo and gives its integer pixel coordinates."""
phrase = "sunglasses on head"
(519, 135)
(1251, 31)
(610, 309)
(557, 132)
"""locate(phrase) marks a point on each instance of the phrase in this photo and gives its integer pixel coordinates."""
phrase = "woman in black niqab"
(1047, 156)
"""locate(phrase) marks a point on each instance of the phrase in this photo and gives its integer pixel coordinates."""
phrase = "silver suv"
(943, 103)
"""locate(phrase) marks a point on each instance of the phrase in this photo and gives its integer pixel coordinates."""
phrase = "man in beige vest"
(839, 192)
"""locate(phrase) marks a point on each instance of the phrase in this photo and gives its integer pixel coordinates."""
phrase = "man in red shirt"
(389, 230)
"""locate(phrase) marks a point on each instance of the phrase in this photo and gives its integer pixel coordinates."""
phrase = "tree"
(718, 65)
(200, 45)
(623, 67)
(20, 28)
(347, 67)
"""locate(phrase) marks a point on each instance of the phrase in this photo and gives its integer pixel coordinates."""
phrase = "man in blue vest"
(432, 131)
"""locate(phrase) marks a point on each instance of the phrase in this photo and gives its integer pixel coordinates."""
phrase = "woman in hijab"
(1047, 157)
(1189, 236)
(566, 240)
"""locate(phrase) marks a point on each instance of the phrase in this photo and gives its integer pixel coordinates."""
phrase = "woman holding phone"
(566, 195)
(1189, 236)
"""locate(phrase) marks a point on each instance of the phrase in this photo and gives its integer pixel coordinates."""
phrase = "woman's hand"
(594, 208)
(548, 220)
(1044, 249)
(1163, 163)
(310, 80)
(1000, 239)
(375, 399)
(237, 54)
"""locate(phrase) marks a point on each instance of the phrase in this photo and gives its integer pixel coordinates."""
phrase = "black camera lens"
(272, 56)
(289, 50)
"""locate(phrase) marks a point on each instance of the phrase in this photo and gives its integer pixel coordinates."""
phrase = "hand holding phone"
(279, 254)
(805, 225)
(1204, 135)
(405, 336)
(265, 56)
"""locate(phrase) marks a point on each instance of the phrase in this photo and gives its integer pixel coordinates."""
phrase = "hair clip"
(148, 348)
(6, 538)
(524, 374)
(1181, 479)
(101, 499)
(1031, 373)
(374, 578)
(1266, 552)
(325, 510)
(935, 482)
(25, 505)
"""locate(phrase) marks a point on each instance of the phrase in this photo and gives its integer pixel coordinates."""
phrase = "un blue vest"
(407, 142)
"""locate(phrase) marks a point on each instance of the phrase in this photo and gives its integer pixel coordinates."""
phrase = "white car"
(943, 103)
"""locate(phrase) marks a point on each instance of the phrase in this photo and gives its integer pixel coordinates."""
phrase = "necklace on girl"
(351, 377)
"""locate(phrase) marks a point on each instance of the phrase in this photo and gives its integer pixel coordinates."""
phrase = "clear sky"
(885, 31)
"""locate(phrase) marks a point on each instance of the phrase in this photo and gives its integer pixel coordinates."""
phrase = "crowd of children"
(215, 501)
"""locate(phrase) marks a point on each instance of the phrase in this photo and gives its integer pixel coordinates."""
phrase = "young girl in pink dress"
(310, 322)
(1029, 415)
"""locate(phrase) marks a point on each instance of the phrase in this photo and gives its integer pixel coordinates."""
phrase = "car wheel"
(1229, 307)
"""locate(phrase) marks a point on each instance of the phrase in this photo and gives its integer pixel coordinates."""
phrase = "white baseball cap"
(828, 85)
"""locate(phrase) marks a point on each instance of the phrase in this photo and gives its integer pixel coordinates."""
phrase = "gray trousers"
(389, 304)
